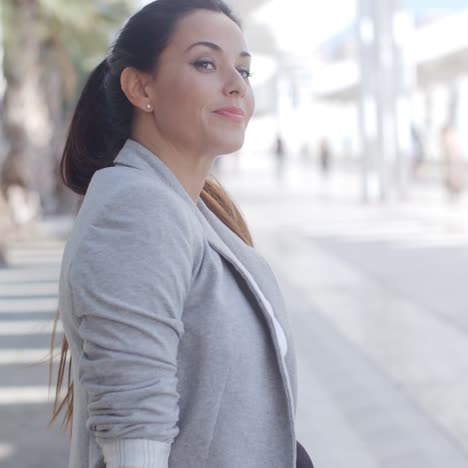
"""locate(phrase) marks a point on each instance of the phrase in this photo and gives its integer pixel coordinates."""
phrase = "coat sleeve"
(129, 280)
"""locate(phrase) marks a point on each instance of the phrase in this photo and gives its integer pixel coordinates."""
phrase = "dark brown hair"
(101, 124)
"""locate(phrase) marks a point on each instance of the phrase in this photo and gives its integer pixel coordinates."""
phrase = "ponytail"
(95, 137)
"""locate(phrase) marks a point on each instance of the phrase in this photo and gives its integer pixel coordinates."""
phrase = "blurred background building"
(379, 80)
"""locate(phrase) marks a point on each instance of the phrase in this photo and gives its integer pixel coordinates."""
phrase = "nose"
(235, 84)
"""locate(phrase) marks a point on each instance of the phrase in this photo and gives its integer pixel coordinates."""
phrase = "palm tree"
(49, 45)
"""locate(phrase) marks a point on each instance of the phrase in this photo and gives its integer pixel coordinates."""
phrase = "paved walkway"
(28, 298)
(373, 383)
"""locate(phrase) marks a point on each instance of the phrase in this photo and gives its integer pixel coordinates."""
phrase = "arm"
(129, 281)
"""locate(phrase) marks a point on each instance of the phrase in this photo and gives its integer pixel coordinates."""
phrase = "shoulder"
(128, 208)
(123, 185)
(132, 194)
(129, 222)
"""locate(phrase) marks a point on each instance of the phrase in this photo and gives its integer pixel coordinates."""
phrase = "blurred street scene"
(379, 309)
(352, 178)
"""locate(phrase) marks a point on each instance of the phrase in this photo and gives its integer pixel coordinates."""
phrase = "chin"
(230, 145)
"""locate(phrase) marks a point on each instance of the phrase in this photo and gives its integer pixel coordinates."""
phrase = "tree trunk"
(26, 117)
(59, 83)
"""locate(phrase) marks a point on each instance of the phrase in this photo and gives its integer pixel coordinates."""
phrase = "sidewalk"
(28, 301)
(373, 388)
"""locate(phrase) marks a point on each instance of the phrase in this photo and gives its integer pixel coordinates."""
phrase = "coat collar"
(229, 246)
(137, 156)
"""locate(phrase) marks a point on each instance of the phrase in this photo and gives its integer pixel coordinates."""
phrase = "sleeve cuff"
(135, 453)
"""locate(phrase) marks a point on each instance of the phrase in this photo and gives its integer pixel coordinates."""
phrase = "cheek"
(250, 103)
(183, 110)
(252, 97)
(185, 102)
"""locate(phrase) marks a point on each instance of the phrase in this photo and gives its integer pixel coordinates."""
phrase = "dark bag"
(303, 460)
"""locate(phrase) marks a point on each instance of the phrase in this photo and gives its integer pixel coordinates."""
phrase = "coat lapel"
(234, 250)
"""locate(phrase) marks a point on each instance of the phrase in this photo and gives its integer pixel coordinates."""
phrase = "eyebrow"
(216, 47)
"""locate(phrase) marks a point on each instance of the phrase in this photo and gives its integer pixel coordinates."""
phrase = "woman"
(181, 350)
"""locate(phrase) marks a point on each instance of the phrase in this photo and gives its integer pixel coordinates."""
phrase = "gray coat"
(175, 356)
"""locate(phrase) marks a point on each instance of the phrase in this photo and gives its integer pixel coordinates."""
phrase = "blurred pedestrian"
(454, 179)
(280, 157)
(324, 156)
(417, 149)
(181, 352)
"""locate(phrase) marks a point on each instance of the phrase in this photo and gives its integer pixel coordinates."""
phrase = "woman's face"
(193, 81)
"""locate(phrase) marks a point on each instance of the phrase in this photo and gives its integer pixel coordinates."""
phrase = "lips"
(231, 110)
(233, 113)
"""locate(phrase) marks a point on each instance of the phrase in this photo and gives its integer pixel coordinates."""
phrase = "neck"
(190, 169)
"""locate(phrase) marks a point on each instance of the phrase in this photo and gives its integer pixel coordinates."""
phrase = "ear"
(133, 84)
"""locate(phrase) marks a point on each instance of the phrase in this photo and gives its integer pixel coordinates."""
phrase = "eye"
(203, 63)
(247, 73)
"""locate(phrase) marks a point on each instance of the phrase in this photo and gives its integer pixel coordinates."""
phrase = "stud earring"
(148, 106)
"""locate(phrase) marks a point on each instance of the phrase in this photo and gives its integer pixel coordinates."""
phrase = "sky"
(421, 5)
(302, 25)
